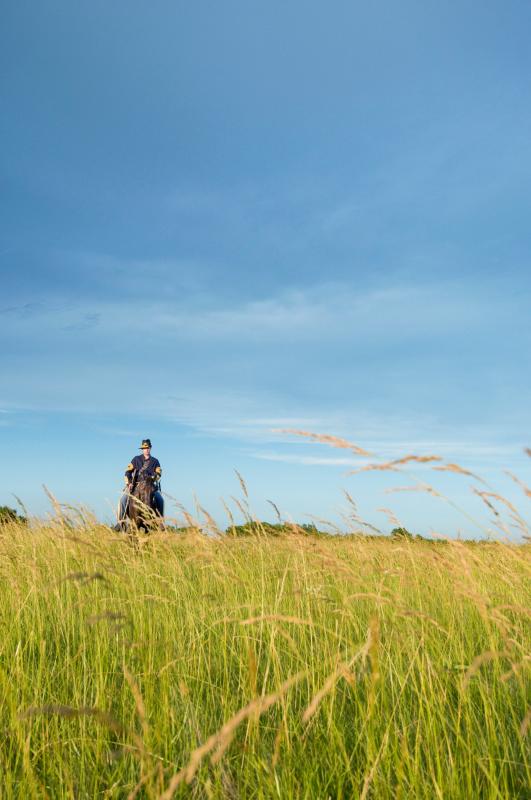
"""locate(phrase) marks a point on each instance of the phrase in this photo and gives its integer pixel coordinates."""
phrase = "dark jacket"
(141, 467)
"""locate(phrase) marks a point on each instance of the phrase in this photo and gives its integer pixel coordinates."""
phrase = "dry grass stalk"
(370, 775)
(276, 749)
(513, 607)
(244, 509)
(211, 522)
(367, 596)
(488, 655)
(79, 540)
(514, 511)
(84, 577)
(325, 522)
(385, 466)
(229, 513)
(366, 524)
(143, 780)
(275, 508)
(418, 459)
(323, 438)
(351, 500)
(343, 669)
(516, 479)
(190, 521)
(393, 519)
(483, 497)
(527, 451)
(110, 616)
(22, 506)
(253, 671)
(221, 740)
(275, 618)
(139, 702)
(55, 503)
(102, 717)
(327, 686)
(526, 722)
(520, 524)
(420, 615)
(289, 639)
(422, 488)
(242, 484)
(294, 528)
(502, 499)
(515, 669)
(459, 470)
(392, 465)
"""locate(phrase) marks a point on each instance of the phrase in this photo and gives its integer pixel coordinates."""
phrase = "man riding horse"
(142, 478)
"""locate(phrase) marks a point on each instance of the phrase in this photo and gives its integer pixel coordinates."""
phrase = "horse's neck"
(143, 488)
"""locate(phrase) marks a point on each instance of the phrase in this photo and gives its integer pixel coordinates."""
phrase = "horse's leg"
(134, 517)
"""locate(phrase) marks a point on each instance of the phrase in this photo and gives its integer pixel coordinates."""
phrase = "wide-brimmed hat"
(145, 443)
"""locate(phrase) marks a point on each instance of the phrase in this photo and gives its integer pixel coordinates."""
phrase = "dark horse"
(141, 507)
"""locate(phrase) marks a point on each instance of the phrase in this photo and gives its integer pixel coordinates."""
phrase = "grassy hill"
(261, 666)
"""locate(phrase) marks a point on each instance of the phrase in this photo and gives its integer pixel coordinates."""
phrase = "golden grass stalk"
(222, 739)
(391, 516)
(350, 499)
(521, 484)
(276, 618)
(139, 702)
(483, 658)
(514, 513)
(367, 596)
(397, 462)
(54, 501)
(242, 484)
(343, 669)
(277, 512)
(421, 488)
(526, 722)
(459, 470)
(323, 438)
(97, 714)
(420, 615)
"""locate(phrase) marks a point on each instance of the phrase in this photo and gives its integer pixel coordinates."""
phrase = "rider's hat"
(145, 443)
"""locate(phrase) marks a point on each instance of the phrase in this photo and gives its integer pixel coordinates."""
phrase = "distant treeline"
(10, 515)
(260, 528)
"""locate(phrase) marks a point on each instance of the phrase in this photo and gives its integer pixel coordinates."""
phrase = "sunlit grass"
(289, 666)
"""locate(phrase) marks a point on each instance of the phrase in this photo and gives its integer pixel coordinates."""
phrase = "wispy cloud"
(323, 312)
(480, 454)
(327, 357)
(87, 322)
(317, 461)
(25, 310)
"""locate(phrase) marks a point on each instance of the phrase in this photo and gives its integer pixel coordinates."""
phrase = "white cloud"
(206, 372)
(320, 461)
(328, 312)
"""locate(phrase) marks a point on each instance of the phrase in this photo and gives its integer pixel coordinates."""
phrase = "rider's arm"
(156, 474)
(129, 473)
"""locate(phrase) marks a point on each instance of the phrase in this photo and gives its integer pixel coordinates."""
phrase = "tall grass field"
(294, 666)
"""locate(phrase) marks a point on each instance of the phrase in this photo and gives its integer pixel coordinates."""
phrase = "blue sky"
(221, 219)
